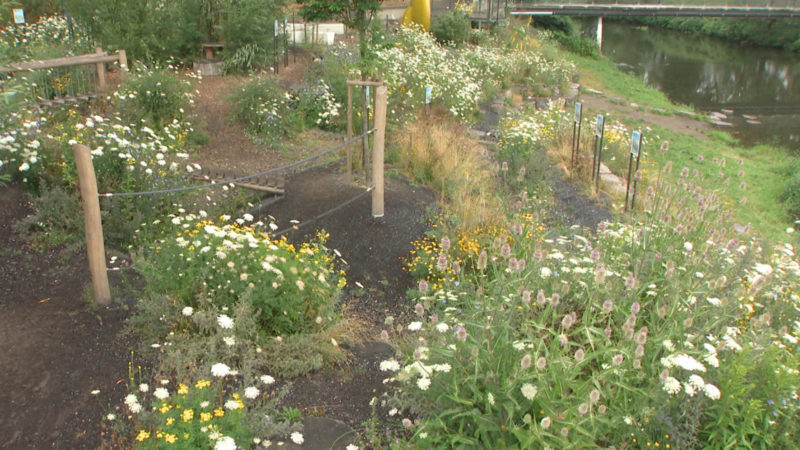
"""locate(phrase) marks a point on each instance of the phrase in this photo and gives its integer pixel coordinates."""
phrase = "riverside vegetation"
(676, 326)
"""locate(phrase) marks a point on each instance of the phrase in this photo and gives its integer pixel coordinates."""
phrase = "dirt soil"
(54, 349)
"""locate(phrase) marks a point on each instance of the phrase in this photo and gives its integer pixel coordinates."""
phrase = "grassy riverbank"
(756, 190)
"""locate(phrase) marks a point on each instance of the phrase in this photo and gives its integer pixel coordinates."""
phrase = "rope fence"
(242, 178)
(93, 226)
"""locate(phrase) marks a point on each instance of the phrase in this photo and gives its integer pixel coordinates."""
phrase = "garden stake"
(599, 131)
(635, 181)
(377, 151)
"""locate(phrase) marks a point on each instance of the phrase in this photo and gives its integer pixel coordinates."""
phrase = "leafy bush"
(264, 108)
(453, 27)
(249, 31)
(157, 96)
(207, 413)
(791, 194)
(577, 44)
(57, 219)
(318, 107)
(296, 286)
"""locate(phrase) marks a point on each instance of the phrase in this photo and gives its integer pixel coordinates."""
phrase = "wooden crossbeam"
(263, 183)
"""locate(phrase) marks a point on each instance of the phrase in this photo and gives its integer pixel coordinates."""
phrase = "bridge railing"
(746, 3)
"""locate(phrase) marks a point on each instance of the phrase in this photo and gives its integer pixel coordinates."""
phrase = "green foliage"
(57, 219)
(783, 33)
(452, 27)
(264, 108)
(157, 97)
(355, 14)
(791, 193)
(577, 44)
(759, 410)
(295, 285)
(249, 31)
(318, 108)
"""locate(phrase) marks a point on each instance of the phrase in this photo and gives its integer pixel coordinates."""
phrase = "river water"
(754, 92)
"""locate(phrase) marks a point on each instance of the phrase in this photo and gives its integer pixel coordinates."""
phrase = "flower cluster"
(290, 286)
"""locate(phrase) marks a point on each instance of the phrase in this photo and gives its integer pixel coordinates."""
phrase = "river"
(754, 92)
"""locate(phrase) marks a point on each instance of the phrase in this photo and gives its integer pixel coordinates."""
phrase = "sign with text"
(578, 110)
(19, 16)
(636, 142)
(598, 131)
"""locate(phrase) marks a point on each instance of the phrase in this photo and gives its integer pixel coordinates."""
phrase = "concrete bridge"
(496, 10)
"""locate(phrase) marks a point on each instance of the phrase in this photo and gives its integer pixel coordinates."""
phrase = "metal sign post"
(636, 147)
(428, 94)
(599, 130)
(576, 137)
(275, 45)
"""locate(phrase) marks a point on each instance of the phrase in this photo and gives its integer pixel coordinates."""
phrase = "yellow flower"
(205, 417)
(170, 438)
(164, 408)
(202, 384)
(219, 412)
(142, 435)
(183, 389)
(187, 415)
(170, 420)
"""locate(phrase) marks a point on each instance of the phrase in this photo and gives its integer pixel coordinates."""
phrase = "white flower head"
(671, 385)
(251, 392)
(529, 391)
(220, 370)
(266, 379)
(144, 387)
(224, 321)
(161, 393)
(225, 443)
(187, 311)
(424, 383)
(297, 438)
(711, 391)
(414, 326)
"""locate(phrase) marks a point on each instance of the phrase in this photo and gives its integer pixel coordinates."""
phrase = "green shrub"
(264, 108)
(248, 27)
(318, 108)
(791, 194)
(452, 27)
(158, 96)
(57, 219)
(288, 287)
(577, 44)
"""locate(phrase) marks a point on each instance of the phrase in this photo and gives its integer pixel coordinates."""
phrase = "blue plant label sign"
(598, 131)
(19, 16)
(428, 92)
(578, 108)
(636, 142)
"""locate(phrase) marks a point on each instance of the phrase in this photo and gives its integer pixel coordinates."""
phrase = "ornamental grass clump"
(635, 336)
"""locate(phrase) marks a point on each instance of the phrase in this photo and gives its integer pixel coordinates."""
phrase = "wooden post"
(377, 151)
(349, 132)
(93, 227)
(123, 63)
(364, 129)
(101, 71)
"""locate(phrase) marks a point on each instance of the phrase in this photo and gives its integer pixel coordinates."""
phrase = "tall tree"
(355, 14)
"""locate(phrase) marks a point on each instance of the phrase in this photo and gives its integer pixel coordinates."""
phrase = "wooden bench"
(210, 49)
